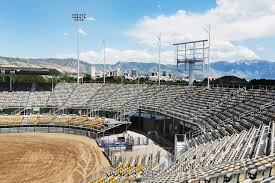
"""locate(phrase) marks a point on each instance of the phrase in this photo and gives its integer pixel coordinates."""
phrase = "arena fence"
(48, 129)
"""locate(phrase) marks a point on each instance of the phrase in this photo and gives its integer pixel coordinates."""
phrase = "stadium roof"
(29, 71)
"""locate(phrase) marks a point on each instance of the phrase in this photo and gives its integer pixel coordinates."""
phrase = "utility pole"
(209, 41)
(104, 59)
(159, 45)
(159, 55)
(208, 81)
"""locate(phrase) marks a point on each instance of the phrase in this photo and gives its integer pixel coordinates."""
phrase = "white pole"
(208, 80)
(52, 83)
(159, 55)
(77, 53)
(104, 61)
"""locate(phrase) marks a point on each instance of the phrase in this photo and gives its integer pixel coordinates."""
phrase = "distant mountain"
(70, 65)
(248, 69)
(63, 65)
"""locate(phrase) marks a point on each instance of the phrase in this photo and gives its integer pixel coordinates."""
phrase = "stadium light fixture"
(209, 36)
(78, 17)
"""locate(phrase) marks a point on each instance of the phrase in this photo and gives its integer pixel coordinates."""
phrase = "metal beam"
(204, 40)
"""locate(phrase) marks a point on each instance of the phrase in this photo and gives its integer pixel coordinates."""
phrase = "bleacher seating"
(82, 94)
(133, 105)
(239, 112)
(235, 158)
(124, 94)
(238, 141)
(223, 111)
(14, 119)
(97, 101)
(16, 99)
(128, 170)
(218, 109)
(75, 120)
(166, 95)
(38, 99)
(60, 94)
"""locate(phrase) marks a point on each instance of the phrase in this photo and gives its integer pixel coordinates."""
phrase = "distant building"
(163, 77)
(114, 73)
(133, 72)
(118, 72)
(153, 76)
(93, 72)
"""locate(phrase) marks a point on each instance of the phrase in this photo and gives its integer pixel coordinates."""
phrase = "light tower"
(104, 60)
(158, 38)
(209, 38)
(193, 55)
(159, 42)
(78, 17)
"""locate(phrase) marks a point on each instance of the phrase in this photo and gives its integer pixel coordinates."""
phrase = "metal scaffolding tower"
(193, 55)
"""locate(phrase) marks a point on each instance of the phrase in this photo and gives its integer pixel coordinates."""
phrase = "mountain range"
(248, 69)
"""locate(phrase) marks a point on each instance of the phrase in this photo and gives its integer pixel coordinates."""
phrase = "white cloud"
(66, 34)
(227, 50)
(82, 32)
(232, 21)
(93, 19)
(114, 55)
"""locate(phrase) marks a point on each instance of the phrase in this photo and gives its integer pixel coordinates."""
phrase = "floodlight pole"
(159, 56)
(159, 44)
(78, 53)
(209, 41)
(104, 58)
(208, 80)
(77, 18)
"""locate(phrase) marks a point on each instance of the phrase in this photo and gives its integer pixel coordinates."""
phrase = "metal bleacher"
(236, 143)
(243, 156)
(82, 94)
(60, 94)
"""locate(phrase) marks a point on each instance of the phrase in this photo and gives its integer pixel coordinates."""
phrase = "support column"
(139, 121)
(52, 83)
(10, 83)
(191, 74)
(173, 127)
(164, 125)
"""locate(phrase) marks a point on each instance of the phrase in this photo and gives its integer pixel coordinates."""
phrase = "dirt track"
(51, 158)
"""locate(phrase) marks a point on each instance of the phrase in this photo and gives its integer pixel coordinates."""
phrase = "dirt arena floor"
(48, 158)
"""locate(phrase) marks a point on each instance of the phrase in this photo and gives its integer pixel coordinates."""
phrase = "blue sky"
(32, 28)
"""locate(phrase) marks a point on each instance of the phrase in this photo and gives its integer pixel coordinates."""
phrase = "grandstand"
(61, 94)
(221, 111)
(235, 158)
(221, 134)
(81, 95)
